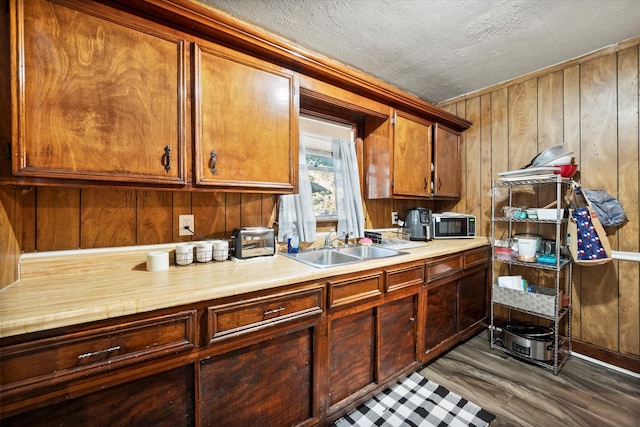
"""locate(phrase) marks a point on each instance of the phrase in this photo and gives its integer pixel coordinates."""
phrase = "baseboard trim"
(627, 364)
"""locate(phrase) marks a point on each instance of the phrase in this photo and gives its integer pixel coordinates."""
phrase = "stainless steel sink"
(333, 257)
(370, 252)
(323, 258)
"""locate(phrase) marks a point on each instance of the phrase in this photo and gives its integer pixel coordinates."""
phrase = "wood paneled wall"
(57, 218)
(591, 105)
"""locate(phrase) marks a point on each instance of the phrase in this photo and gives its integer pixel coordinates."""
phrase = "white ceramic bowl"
(562, 160)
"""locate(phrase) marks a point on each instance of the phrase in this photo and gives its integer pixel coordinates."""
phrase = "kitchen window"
(317, 135)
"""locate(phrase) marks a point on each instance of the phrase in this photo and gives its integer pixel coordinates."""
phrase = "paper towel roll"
(157, 261)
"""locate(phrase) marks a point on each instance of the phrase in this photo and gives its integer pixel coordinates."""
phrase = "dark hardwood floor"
(522, 394)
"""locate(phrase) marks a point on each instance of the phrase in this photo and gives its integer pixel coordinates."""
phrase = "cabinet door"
(97, 97)
(266, 384)
(397, 335)
(246, 122)
(164, 399)
(441, 312)
(447, 178)
(411, 156)
(351, 354)
(472, 299)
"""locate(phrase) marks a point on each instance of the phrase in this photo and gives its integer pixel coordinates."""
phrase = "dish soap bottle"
(293, 242)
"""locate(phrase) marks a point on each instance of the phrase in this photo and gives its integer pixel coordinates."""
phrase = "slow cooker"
(530, 341)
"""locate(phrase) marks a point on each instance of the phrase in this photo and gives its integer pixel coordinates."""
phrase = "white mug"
(184, 254)
(204, 251)
(220, 250)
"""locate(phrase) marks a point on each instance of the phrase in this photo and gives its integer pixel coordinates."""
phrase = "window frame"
(324, 220)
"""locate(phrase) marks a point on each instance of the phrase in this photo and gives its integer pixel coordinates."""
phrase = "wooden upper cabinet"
(246, 122)
(414, 158)
(447, 175)
(411, 156)
(97, 96)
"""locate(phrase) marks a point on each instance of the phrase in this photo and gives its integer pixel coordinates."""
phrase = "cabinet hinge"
(7, 151)
(393, 181)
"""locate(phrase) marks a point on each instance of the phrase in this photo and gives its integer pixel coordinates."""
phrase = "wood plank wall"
(590, 104)
(58, 218)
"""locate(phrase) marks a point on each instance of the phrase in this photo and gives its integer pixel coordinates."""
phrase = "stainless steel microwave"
(451, 225)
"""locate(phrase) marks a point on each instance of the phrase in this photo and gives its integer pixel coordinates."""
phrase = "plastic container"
(504, 254)
(548, 214)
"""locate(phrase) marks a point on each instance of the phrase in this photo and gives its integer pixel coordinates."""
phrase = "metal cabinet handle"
(275, 310)
(167, 158)
(412, 319)
(96, 353)
(214, 159)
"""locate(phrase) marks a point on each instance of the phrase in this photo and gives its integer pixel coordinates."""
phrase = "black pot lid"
(526, 329)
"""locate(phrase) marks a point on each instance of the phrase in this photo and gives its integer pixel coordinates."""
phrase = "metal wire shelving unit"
(556, 314)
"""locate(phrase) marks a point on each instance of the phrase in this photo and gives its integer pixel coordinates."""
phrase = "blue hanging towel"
(589, 244)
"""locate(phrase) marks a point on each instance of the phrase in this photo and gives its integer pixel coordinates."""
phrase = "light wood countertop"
(58, 289)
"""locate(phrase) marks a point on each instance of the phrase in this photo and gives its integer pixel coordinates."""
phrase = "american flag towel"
(416, 401)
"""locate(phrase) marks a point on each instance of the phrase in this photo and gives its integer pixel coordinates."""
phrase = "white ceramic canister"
(220, 250)
(158, 261)
(204, 251)
(184, 253)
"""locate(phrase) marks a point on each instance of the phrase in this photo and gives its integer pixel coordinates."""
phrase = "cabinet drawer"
(109, 347)
(477, 257)
(404, 277)
(342, 292)
(443, 267)
(230, 319)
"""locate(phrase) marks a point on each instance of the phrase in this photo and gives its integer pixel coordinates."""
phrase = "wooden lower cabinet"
(456, 300)
(441, 319)
(163, 399)
(299, 355)
(472, 307)
(352, 366)
(269, 383)
(397, 335)
(372, 331)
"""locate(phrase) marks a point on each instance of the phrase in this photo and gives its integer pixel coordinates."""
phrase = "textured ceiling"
(441, 49)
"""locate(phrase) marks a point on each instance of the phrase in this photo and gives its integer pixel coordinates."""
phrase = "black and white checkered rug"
(416, 401)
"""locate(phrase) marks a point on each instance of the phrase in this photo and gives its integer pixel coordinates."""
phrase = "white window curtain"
(297, 209)
(348, 195)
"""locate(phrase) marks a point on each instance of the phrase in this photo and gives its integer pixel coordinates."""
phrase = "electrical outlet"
(394, 217)
(185, 223)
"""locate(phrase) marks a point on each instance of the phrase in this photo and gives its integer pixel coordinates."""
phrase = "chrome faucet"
(328, 240)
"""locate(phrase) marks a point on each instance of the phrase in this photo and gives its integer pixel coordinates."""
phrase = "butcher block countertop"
(67, 288)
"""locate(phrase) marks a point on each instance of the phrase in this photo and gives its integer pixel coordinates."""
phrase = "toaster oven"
(250, 242)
